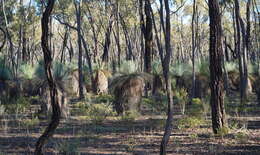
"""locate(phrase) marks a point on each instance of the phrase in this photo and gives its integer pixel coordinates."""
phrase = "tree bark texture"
(216, 73)
(56, 112)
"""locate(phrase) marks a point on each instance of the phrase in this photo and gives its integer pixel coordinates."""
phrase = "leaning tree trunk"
(165, 64)
(56, 112)
(216, 74)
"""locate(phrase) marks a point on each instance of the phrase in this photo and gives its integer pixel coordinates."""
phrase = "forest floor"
(141, 136)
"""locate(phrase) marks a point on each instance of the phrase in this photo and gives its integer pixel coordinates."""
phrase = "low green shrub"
(19, 106)
(68, 147)
(129, 116)
(222, 131)
(30, 123)
(196, 108)
(242, 137)
(189, 122)
(103, 98)
(181, 98)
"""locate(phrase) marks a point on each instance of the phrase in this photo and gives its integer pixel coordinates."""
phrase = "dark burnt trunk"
(216, 74)
(148, 36)
(165, 64)
(56, 112)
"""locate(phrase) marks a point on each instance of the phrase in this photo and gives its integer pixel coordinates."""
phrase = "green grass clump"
(19, 106)
(242, 137)
(222, 131)
(189, 122)
(129, 116)
(196, 108)
(30, 123)
(103, 98)
(68, 147)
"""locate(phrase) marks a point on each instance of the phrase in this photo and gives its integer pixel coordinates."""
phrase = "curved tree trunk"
(165, 64)
(216, 74)
(56, 112)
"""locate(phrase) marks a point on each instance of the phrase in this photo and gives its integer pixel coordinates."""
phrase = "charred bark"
(216, 73)
(56, 112)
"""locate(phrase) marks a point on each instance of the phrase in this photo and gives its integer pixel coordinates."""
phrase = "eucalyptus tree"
(216, 73)
(56, 111)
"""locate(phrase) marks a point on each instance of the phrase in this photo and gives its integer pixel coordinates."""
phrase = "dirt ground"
(140, 137)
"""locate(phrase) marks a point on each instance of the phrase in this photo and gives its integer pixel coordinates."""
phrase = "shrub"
(27, 71)
(129, 116)
(20, 106)
(189, 122)
(5, 71)
(99, 112)
(30, 123)
(181, 97)
(66, 147)
(103, 98)
(128, 67)
(196, 108)
(154, 105)
(241, 137)
(222, 131)
(179, 69)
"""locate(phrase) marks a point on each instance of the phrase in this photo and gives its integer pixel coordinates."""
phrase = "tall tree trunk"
(56, 112)
(148, 35)
(165, 65)
(80, 72)
(216, 74)
(194, 47)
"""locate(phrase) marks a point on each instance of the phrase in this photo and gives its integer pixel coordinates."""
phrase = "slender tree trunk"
(193, 48)
(216, 74)
(56, 112)
(148, 35)
(165, 65)
(80, 72)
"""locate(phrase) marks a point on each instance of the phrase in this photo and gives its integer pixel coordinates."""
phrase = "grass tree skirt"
(46, 102)
(128, 94)
(101, 82)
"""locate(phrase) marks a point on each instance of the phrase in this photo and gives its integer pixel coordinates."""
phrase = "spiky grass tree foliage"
(128, 90)
(27, 71)
(5, 71)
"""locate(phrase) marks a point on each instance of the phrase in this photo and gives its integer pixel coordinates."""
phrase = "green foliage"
(189, 122)
(68, 147)
(19, 106)
(242, 137)
(5, 71)
(129, 116)
(181, 98)
(27, 71)
(103, 98)
(39, 71)
(99, 112)
(180, 69)
(2, 109)
(154, 105)
(193, 136)
(202, 68)
(156, 67)
(222, 131)
(196, 108)
(60, 70)
(231, 66)
(30, 123)
(128, 67)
